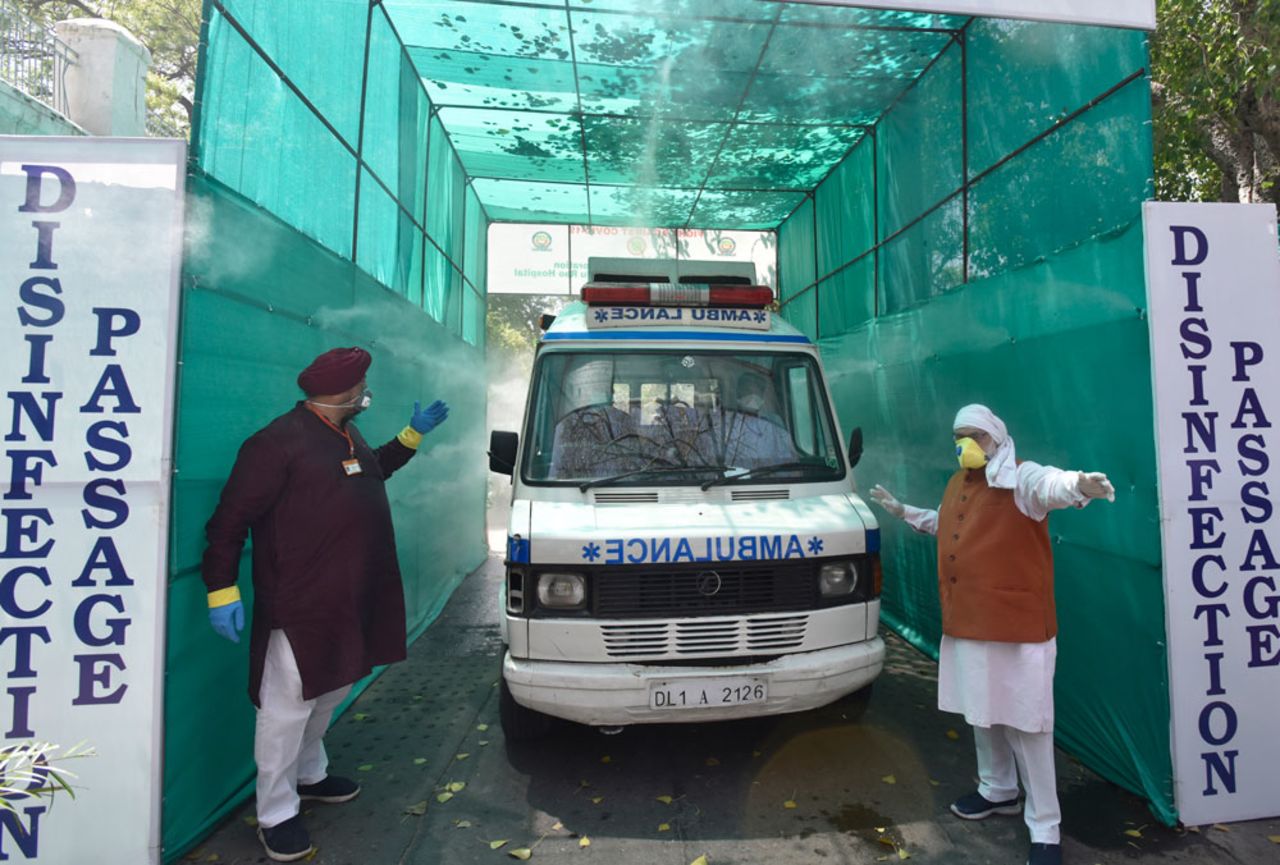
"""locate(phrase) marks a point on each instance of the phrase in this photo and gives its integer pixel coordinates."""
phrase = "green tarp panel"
(1022, 289)
(321, 212)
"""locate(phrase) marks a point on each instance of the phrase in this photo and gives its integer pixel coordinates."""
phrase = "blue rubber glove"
(424, 420)
(228, 620)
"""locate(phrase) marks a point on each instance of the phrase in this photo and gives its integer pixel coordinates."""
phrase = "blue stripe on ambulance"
(679, 336)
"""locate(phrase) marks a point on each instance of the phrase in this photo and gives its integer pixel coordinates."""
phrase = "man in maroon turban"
(328, 603)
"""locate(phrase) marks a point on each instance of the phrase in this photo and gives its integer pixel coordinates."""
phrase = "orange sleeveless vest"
(995, 565)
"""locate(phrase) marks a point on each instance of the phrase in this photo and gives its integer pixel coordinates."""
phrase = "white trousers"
(288, 741)
(1007, 753)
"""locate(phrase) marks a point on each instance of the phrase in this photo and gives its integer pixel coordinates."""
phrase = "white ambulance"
(685, 542)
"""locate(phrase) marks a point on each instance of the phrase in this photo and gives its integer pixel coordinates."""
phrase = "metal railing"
(32, 58)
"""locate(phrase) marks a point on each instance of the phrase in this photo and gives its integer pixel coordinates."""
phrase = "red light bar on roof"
(667, 294)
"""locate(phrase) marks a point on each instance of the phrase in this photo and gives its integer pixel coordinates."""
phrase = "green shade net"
(1022, 289)
(699, 113)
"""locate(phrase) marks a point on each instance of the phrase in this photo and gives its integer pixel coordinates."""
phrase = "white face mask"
(359, 403)
(751, 402)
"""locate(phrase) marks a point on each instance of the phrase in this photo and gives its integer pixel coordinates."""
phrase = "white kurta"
(994, 683)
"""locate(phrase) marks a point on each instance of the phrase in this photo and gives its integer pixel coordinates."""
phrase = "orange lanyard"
(351, 445)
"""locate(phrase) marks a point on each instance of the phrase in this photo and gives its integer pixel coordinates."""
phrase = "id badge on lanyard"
(351, 467)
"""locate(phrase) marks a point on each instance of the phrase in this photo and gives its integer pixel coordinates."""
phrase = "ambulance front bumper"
(622, 694)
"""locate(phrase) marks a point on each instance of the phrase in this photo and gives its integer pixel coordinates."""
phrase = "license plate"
(707, 693)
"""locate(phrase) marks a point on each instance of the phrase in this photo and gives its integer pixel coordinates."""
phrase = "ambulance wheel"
(854, 706)
(519, 724)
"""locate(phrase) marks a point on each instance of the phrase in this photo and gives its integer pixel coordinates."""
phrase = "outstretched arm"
(923, 521)
(1041, 489)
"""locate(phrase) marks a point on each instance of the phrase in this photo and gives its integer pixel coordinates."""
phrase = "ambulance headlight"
(562, 591)
(837, 579)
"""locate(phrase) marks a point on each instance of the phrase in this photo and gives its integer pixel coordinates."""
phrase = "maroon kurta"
(324, 551)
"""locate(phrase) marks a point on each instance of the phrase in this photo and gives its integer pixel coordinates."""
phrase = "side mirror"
(502, 451)
(855, 446)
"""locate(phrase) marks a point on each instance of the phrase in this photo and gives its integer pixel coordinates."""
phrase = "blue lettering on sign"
(661, 551)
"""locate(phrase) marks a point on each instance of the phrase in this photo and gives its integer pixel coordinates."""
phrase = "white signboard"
(677, 316)
(1213, 286)
(1137, 14)
(89, 265)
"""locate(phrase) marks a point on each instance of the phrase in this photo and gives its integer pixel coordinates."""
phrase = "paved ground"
(823, 787)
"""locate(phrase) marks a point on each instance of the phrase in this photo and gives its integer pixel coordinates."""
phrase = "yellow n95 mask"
(969, 454)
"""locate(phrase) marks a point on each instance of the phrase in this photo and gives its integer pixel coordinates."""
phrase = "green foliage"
(1216, 82)
(27, 771)
(512, 321)
(169, 28)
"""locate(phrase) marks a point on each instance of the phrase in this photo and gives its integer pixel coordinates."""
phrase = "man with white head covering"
(999, 627)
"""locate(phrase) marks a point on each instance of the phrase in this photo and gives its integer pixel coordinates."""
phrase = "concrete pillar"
(106, 85)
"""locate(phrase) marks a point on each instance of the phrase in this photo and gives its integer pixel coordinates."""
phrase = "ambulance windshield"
(679, 418)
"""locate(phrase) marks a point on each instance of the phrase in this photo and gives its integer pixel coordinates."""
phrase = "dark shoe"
(287, 842)
(330, 789)
(1045, 854)
(972, 806)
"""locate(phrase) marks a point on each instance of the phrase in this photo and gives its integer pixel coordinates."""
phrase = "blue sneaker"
(972, 806)
(286, 842)
(1045, 854)
(331, 788)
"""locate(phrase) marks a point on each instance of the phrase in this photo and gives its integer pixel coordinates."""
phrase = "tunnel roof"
(714, 113)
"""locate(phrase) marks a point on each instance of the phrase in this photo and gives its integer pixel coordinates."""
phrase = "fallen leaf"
(712, 761)
(1221, 828)
(888, 842)
(701, 860)
(935, 783)
(194, 855)
(880, 829)
(606, 759)
(665, 800)
(212, 857)
(903, 854)
(596, 800)
(755, 753)
(1133, 833)
(367, 767)
(557, 826)
(418, 761)
(1274, 839)
(251, 821)
(483, 742)
(584, 841)
(417, 810)
(482, 727)
(520, 853)
(664, 827)
(952, 734)
(584, 783)
(456, 786)
(360, 716)
(464, 755)
(889, 779)
(462, 824)
(790, 803)
(444, 797)
(494, 845)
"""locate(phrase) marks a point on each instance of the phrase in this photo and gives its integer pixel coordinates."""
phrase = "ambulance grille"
(725, 589)
(760, 495)
(626, 498)
(708, 637)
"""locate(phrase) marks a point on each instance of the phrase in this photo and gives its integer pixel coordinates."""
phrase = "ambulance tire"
(854, 706)
(520, 724)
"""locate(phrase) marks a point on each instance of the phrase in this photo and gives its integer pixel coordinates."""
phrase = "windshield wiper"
(761, 471)
(647, 470)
